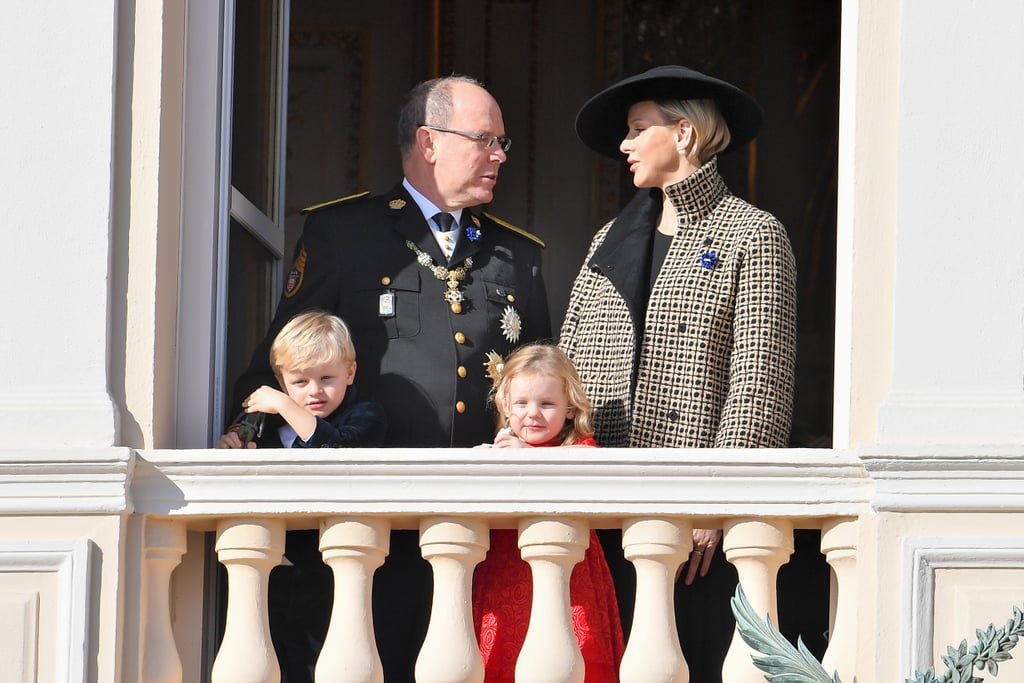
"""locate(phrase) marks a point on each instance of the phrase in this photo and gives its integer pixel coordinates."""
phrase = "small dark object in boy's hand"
(249, 427)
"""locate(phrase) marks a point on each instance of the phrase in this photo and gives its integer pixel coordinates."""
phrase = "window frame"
(207, 194)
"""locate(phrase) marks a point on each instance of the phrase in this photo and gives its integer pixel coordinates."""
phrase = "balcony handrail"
(494, 484)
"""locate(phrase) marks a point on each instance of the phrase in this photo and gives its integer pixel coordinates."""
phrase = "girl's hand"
(506, 439)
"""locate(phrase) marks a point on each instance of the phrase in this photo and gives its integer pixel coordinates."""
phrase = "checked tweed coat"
(707, 359)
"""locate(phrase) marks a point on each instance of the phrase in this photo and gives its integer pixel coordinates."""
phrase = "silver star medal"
(511, 324)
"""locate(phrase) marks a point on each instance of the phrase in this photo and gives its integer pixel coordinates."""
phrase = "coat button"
(462, 371)
(673, 415)
(385, 281)
(460, 338)
(682, 327)
(460, 407)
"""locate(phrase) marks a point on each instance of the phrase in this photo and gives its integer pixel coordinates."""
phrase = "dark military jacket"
(423, 362)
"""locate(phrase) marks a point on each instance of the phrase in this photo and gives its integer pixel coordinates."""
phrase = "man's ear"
(425, 145)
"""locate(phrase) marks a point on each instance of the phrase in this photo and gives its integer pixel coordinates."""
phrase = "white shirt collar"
(426, 206)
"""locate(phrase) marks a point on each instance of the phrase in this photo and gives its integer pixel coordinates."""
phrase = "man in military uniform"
(429, 288)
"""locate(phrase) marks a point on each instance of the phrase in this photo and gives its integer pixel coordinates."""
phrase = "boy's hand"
(266, 400)
(231, 440)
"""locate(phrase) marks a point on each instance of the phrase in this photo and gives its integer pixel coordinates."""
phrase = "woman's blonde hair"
(311, 338)
(712, 132)
(550, 361)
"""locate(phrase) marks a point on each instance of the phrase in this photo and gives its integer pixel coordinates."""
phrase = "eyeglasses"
(485, 139)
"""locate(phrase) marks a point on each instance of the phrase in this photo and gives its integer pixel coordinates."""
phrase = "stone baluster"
(165, 544)
(757, 548)
(656, 547)
(839, 545)
(249, 549)
(354, 549)
(450, 653)
(550, 653)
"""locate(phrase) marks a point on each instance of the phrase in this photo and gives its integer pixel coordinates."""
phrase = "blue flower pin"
(709, 259)
(473, 233)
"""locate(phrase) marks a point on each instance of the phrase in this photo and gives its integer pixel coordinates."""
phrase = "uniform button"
(460, 338)
(673, 415)
(682, 327)
(510, 298)
(385, 281)
(460, 407)
(462, 371)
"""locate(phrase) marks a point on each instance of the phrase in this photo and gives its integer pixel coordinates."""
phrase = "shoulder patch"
(296, 274)
(342, 200)
(519, 231)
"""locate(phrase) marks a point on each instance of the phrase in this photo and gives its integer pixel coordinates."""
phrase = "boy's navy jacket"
(353, 423)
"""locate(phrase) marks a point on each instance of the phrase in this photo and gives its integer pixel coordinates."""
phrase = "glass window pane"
(250, 301)
(254, 113)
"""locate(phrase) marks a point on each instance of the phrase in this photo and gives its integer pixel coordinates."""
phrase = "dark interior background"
(351, 63)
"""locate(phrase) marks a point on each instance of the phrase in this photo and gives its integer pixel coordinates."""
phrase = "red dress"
(502, 595)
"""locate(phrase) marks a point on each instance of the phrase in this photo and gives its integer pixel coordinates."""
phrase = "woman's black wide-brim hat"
(601, 122)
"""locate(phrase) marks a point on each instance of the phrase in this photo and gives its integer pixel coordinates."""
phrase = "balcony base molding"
(946, 478)
(66, 480)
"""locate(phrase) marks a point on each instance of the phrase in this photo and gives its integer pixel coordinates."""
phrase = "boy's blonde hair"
(712, 132)
(548, 360)
(311, 338)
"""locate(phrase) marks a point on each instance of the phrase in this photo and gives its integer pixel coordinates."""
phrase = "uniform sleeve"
(363, 425)
(310, 283)
(759, 405)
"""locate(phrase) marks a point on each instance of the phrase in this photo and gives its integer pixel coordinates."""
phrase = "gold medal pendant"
(453, 295)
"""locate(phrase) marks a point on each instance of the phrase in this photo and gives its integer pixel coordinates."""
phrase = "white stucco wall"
(56, 132)
(959, 311)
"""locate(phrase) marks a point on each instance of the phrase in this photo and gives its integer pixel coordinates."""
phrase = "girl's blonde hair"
(712, 133)
(550, 361)
(309, 339)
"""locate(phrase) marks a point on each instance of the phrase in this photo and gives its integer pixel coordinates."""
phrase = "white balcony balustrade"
(454, 498)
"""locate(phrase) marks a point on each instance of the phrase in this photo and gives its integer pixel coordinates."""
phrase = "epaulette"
(519, 231)
(317, 207)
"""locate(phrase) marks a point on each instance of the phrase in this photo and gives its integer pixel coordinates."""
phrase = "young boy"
(315, 363)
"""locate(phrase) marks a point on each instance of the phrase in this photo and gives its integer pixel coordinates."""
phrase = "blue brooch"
(474, 234)
(709, 259)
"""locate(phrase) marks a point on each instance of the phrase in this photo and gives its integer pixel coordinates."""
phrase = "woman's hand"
(704, 543)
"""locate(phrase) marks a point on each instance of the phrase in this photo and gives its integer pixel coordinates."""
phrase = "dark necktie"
(444, 221)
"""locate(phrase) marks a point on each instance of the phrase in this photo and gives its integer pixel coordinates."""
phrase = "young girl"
(542, 403)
